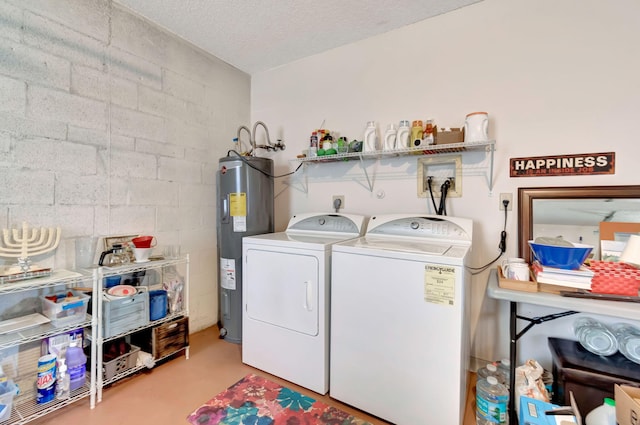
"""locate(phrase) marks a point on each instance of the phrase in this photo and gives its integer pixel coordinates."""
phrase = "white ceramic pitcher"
(476, 127)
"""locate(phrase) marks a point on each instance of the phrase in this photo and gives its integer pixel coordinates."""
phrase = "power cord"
(502, 245)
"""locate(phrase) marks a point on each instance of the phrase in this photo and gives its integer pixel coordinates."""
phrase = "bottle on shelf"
(428, 136)
(403, 136)
(371, 137)
(390, 138)
(313, 145)
(63, 387)
(605, 414)
(416, 133)
(76, 362)
(492, 399)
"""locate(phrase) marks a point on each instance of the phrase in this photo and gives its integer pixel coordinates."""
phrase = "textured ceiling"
(256, 35)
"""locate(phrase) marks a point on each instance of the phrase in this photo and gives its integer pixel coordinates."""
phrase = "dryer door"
(281, 289)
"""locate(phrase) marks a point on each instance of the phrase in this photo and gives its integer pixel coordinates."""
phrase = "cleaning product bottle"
(403, 135)
(63, 386)
(313, 145)
(370, 137)
(416, 133)
(428, 137)
(605, 414)
(77, 365)
(390, 138)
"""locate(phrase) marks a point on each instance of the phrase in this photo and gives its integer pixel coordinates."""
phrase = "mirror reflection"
(580, 220)
(587, 215)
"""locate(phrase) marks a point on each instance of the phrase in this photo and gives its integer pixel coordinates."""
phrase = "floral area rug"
(255, 400)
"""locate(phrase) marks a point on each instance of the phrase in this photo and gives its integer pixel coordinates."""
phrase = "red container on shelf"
(615, 278)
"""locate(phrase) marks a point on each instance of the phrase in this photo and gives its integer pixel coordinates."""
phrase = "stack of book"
(552, 279)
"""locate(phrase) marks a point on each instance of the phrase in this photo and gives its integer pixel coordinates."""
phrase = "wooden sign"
(563, 165)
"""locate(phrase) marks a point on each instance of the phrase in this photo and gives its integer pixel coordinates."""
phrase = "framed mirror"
(573, 213)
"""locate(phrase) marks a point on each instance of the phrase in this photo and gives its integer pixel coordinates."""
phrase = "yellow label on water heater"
(439, 284)
(238, 204)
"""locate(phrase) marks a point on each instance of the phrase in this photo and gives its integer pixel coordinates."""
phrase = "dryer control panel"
(327, 223)
(428, 227)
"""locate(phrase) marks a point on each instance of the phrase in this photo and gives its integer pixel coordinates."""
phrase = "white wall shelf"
(430, 150)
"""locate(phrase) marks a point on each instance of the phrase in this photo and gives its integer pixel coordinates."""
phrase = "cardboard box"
(456, 135)
(533, 412)
(627, 405)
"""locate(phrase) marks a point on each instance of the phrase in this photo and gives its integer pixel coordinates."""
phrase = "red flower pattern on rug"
(255, 400)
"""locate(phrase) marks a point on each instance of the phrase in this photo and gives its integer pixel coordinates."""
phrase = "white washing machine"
(399, 319)
(286, 289)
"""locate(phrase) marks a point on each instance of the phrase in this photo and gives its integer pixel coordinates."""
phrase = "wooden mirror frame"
(526, 196)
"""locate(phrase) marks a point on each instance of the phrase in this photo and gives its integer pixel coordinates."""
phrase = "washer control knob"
(415, 225)
(321, 221)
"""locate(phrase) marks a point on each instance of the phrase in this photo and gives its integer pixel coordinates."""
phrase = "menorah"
(28, 243)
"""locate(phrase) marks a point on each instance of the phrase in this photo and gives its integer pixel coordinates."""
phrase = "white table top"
(620, 309)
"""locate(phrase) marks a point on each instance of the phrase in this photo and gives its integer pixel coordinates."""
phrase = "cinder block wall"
(111, 126)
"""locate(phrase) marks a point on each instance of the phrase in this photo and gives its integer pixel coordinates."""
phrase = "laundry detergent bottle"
(371, 137)
(390, 138)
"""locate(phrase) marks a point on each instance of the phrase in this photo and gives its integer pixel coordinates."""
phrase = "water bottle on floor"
(492, 399)
(604, 414)
(491, 370)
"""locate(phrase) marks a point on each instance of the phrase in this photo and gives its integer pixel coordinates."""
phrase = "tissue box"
(627, 404)
(532, 412)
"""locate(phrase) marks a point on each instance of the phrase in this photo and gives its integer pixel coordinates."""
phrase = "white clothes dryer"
(286, 292)
(399, 319)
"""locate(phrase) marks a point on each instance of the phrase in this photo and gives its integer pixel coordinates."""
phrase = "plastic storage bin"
(120, 364)
(63, 312)
(125, 313)
(7, 391)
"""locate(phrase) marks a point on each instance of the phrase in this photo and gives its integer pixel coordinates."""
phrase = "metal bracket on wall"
(433, 150)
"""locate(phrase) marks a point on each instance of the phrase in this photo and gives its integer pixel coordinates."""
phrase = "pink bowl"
(143, 241)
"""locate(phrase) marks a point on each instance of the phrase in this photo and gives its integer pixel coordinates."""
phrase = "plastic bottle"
(313, 145)
(491, 370)
(403, 135)
(390, 138)
(63, 386)
(4, 381)
(428, 137)
(77, 365)
(416, 133)
(604, 414)
(492, 399)
(504, 367)
(371, 137)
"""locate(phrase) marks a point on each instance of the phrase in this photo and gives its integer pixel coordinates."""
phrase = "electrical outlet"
(333, 202)
(506, 197)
